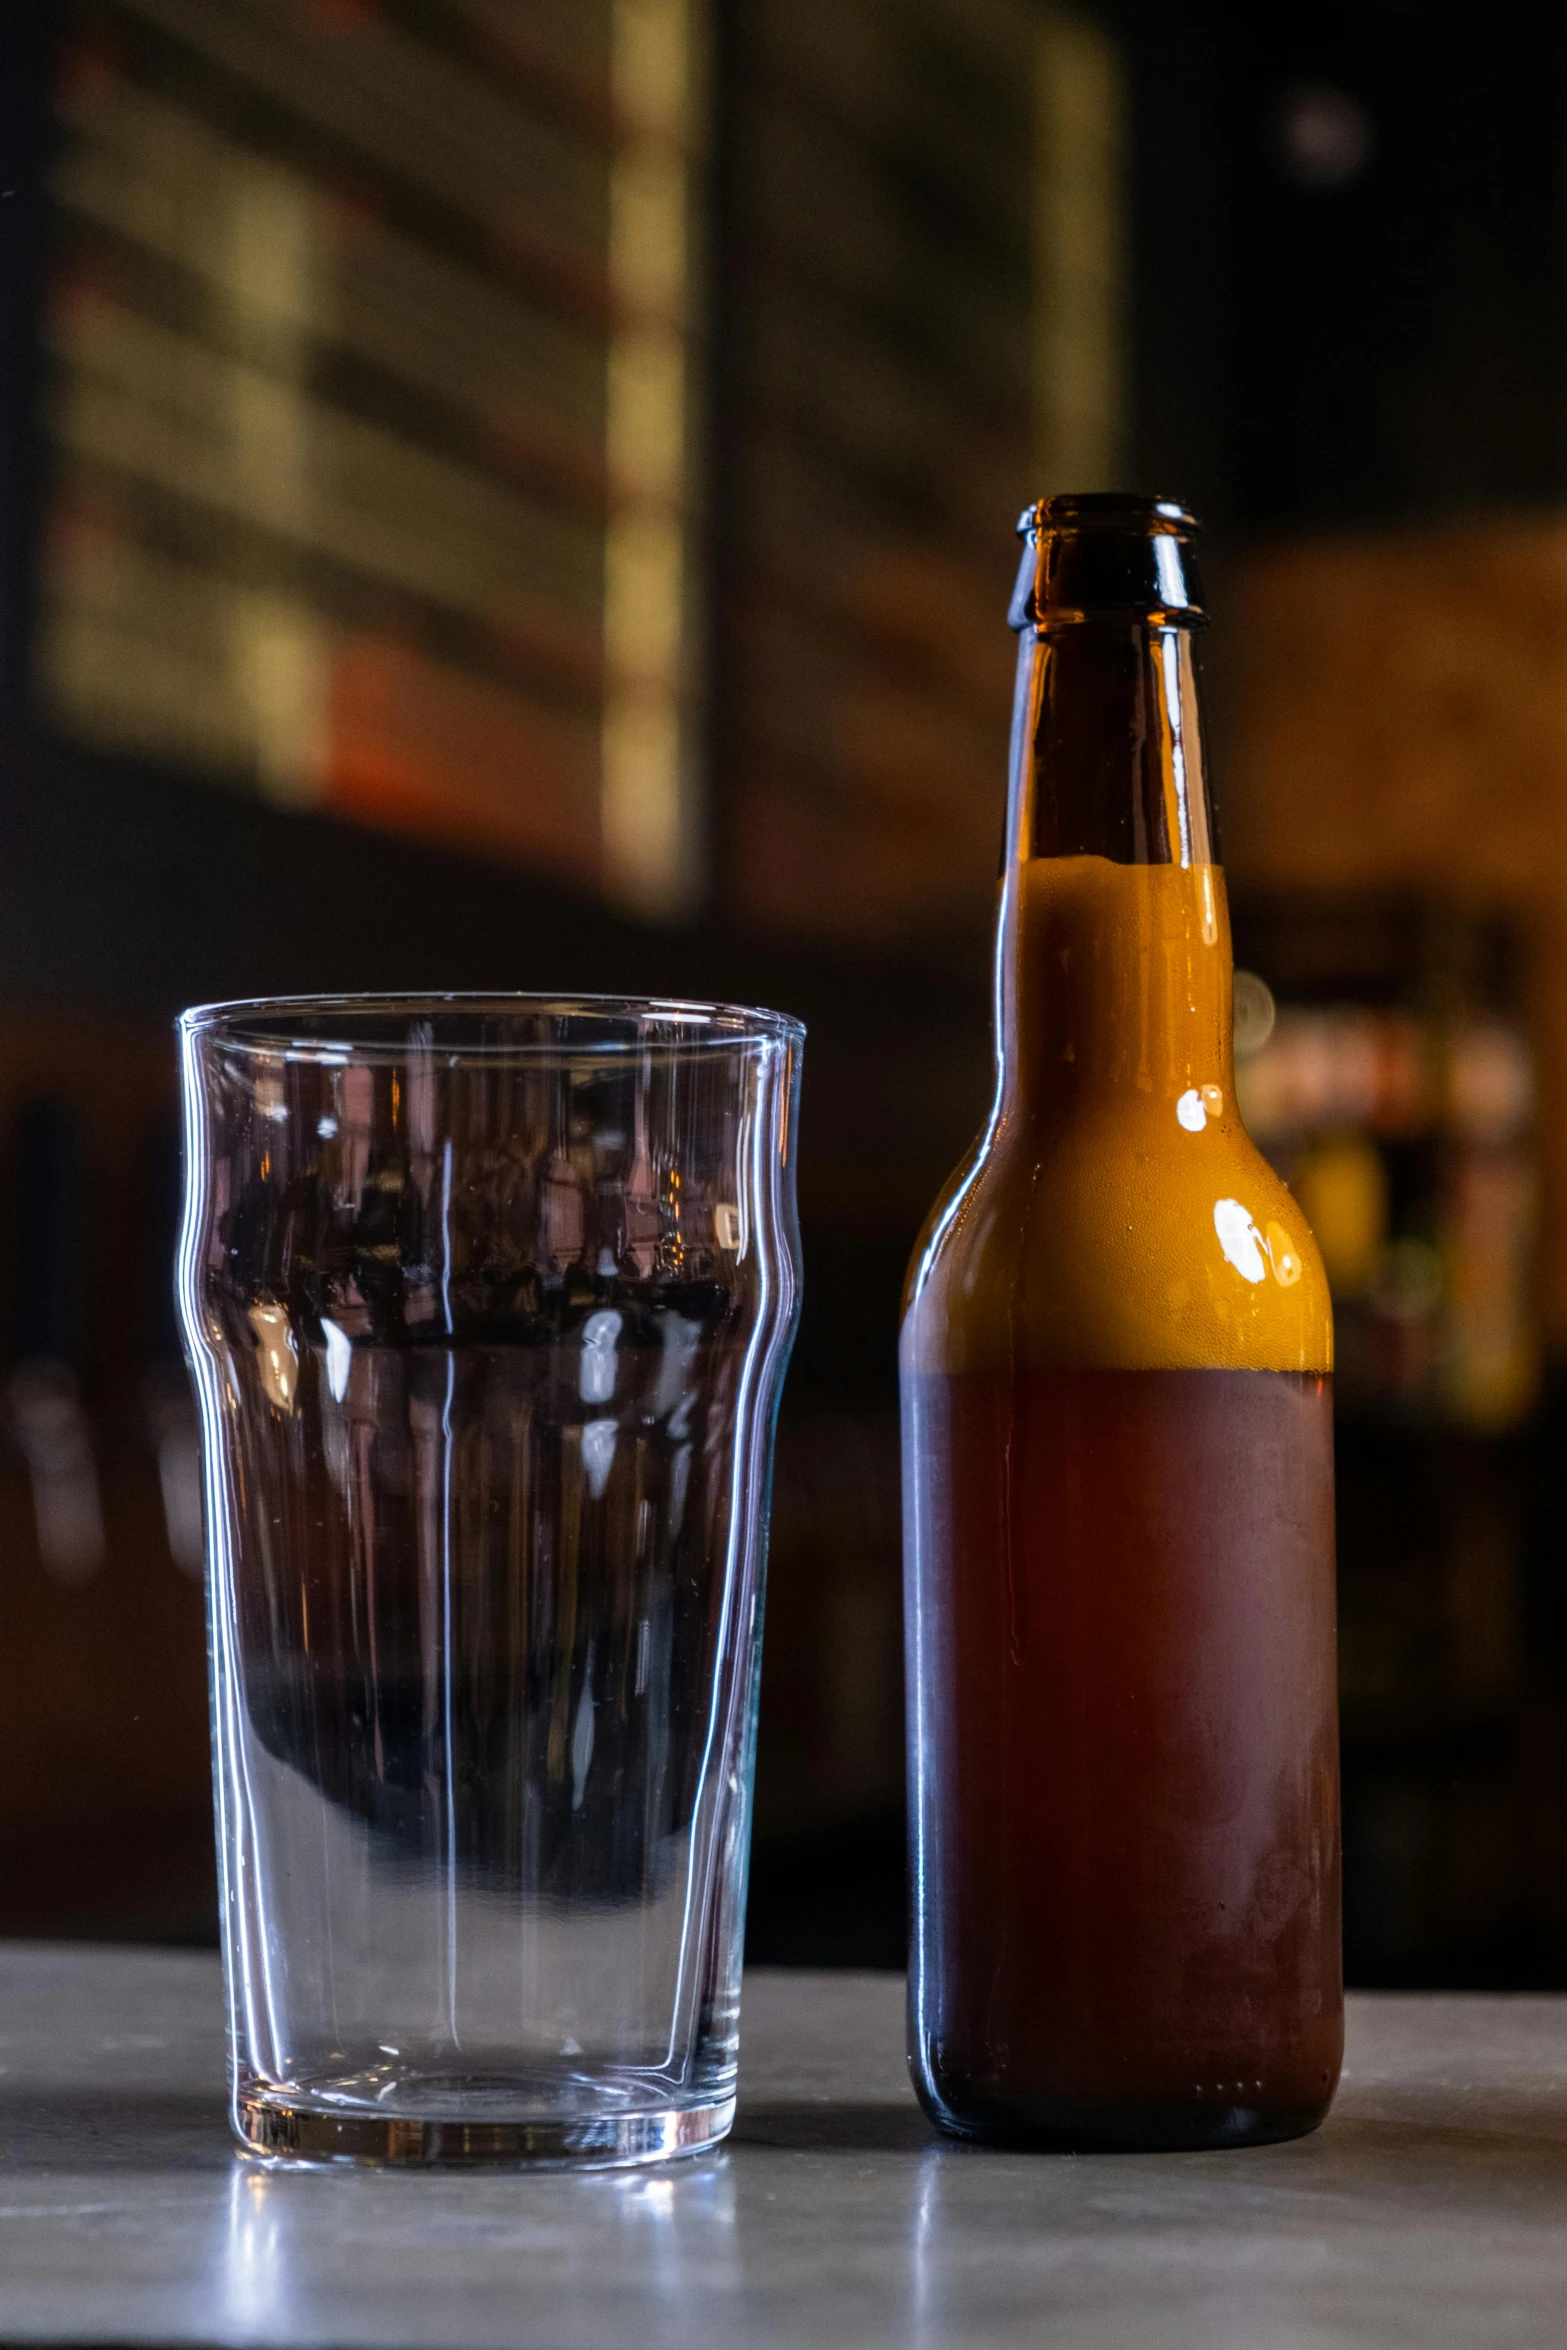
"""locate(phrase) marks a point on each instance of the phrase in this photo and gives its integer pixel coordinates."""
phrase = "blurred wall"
(934, 257)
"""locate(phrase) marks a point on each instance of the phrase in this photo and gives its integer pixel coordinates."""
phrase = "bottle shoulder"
(1127, 1237)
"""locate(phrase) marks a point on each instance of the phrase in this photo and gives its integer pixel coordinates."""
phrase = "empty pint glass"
(488, 1302)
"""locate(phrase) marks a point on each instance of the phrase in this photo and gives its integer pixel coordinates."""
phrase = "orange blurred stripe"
(417, 747)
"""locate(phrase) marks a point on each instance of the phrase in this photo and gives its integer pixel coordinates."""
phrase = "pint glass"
(487, 1302)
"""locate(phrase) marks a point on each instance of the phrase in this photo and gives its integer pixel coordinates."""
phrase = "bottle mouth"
(1102, 555)
(1107, 510)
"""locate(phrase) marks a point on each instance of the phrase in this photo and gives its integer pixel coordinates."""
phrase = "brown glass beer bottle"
(1118, 1460)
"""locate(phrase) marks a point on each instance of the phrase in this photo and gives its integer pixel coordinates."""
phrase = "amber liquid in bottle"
(1116, 1357)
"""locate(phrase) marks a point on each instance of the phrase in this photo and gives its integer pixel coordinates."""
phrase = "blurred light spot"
(1490, 1082)
(1255, 1014)
(1341, 1184)
(1081, 250)
(650, 627)
(1322, 137)
(1409, 1283)
(51, 1428)
(1189, 1110)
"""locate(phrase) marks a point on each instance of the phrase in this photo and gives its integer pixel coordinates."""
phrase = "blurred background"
(519, 493)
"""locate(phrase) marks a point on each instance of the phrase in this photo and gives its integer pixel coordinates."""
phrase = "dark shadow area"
(835, 2129)
(835, 1898)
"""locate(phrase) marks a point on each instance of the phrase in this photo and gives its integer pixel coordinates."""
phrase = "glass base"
(282, 2129)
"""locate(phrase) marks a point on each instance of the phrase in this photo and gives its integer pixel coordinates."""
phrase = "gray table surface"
(1430, 2210)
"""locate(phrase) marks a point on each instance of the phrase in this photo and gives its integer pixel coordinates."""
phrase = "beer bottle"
(1115, 1363)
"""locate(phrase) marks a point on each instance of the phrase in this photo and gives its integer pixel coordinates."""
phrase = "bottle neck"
(1107, 750)
(1113, 964)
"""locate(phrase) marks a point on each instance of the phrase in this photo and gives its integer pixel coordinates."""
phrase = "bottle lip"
(1107, 510)
(1105, 556)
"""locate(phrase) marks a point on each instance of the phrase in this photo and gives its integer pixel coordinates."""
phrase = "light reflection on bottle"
(1239, 1239)
(1283, 1256)
(279, 1354)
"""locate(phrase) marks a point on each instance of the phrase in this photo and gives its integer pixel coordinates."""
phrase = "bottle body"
(1115, 1362)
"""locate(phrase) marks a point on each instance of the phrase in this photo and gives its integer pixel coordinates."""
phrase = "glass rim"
(286, 1025)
